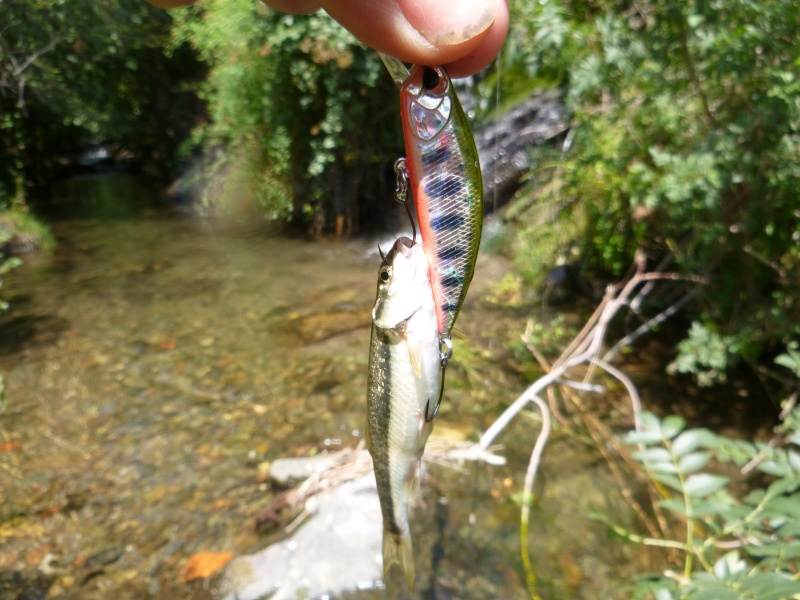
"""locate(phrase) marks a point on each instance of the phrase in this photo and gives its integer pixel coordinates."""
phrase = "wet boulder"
(337, 549)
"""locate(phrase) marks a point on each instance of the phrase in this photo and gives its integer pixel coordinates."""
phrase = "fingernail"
(450, 23)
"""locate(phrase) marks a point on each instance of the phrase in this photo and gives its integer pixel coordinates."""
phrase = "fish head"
(428, 103)
(403, 283)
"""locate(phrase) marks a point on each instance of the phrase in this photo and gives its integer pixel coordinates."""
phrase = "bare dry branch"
(585, 350)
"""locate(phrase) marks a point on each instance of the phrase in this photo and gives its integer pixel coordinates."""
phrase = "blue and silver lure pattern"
(446, 184)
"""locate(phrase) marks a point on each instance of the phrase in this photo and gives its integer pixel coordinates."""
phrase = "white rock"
(332, 552)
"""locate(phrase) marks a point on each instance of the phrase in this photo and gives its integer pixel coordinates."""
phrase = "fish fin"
(412, 482)
(459, 334)
(397, 550)
(415, 355)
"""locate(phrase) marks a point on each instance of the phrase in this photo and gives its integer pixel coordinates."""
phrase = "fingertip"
(450, 23)
(385, 26)
(488, 49)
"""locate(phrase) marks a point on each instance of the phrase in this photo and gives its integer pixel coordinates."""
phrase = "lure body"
(445, 178)
(404, 382)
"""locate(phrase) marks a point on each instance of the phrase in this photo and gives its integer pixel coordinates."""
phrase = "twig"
(546, 367)
(527, 493)
(789, 405)
(585, 348)
(582, 386)
(646, 327)
(636, 401)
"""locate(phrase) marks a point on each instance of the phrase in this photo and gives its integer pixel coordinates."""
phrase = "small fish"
(404, 381)
(445, 178)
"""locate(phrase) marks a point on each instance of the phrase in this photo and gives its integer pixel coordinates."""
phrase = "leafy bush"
(685, 143)
(732, 547)
(312, 112)
(74, 74)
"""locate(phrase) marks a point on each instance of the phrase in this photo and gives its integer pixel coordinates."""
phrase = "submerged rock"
(284, 471)
(337, 549)
(320, 326)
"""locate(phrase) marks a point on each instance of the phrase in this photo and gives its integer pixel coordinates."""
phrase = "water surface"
(156, 363)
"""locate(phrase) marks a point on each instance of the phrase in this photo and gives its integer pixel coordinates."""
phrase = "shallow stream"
(156, 363)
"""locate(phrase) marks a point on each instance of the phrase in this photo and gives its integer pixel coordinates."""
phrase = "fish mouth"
(403, 245)
(394, 308)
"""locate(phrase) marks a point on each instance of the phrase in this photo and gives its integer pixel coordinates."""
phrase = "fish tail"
(397, 550)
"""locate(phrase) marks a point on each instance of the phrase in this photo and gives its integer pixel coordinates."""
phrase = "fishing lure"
(445, 180)
(443, 171)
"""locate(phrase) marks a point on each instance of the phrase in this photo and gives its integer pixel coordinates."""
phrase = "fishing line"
(498, 73)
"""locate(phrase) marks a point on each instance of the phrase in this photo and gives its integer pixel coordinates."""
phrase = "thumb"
(464, 35)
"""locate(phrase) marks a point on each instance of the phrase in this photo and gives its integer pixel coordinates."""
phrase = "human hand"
(463, 35)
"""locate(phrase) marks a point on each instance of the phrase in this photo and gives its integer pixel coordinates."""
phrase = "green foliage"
(790, 359)
(705, 354)
(686, 136)
(300, 101)
(73, 73)
(732, 547)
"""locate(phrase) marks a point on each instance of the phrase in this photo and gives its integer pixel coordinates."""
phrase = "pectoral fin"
(415, 355)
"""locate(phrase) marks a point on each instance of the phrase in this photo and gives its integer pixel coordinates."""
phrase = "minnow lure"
(445, 180)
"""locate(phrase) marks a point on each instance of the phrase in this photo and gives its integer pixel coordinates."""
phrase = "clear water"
(155, 363)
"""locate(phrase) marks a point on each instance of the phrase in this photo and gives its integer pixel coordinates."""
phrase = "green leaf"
(788, 507)
(790, 530)
(650, 422)
(755, 497)
(672, 426)
(663, 594)
(693, 462)
(675, 505)
(642, 437)
(689, 441)
(703, 484)
(794, 460)
(783, 486)
(729, 564)
(662, 467)
(653, 455)
(774, 468)
(790, 360)
(710, 508)
(770, 586)
(669, 480)
(714, 592)
(786, 551)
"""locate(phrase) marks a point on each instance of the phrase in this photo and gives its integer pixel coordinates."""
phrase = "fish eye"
(433, 82)
(384, 275)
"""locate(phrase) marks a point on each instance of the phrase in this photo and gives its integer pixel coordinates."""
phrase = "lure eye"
(433, 82)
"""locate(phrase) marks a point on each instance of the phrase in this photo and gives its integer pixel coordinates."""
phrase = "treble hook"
(401, 193)
(444, 356)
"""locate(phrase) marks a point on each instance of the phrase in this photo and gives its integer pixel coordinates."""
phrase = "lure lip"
(396, 68)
